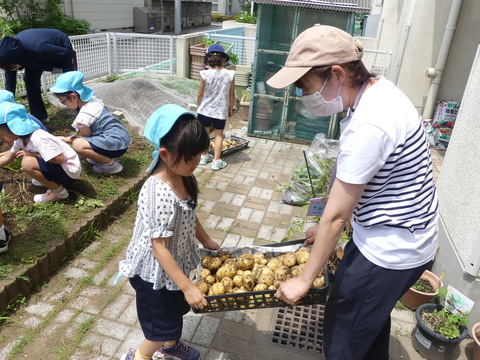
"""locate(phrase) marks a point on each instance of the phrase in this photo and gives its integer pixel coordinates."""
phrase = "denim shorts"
(160, 312)
(218, 124)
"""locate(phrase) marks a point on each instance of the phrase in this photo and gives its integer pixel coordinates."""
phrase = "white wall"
(459, 194)
(103, 14)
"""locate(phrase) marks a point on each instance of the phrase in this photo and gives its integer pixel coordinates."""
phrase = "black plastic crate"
(264, 299)
(241, 144)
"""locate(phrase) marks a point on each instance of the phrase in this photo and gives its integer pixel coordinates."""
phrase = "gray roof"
(345, 5)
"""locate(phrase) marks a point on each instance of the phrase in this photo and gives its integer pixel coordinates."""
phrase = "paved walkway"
(80, 314)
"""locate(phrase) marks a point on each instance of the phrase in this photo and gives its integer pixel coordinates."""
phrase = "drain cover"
(300, 327)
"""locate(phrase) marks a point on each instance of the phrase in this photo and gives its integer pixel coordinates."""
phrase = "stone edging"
(55, 256)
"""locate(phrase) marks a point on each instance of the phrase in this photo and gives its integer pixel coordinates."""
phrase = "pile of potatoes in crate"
(224, 274)
(226, 144)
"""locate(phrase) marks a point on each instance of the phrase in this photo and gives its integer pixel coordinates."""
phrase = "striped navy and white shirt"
(385, 147)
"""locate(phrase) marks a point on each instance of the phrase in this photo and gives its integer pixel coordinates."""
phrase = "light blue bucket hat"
(15, 116)
(6, 95)
(159, 124)
(72, 81)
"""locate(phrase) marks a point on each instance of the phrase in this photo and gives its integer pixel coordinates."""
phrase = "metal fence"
(107, 54)
(243, 47)
(377, 61)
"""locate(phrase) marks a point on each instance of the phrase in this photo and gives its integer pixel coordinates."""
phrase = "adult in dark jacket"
(36, 51)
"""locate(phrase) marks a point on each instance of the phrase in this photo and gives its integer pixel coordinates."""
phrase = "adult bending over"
(383, 183)
(36, 51)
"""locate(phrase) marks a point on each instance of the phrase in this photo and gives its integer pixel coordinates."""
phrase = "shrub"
(245, 17)
(221, 18)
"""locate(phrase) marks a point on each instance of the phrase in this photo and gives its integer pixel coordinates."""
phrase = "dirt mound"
(137, 98)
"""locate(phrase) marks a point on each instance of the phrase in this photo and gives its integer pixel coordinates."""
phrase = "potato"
(281, 272)
(214, 264)
(203, 286)
(266, 276)
(226, 270)
(237, 280)
(277, 283)
(257, 269)
(249, 272)
(245, 262)
(204, 273)
(281, 257)
(274, 264)
(227, 283)
(260, 287)
(296, 270)
(205, 260)
(218, 289)
(210, 279)
(240, 272)
(290, 259)
(302, 255)
(224, 255)
(260, 258)
(248, 282)
(272, 287)
(318, 282)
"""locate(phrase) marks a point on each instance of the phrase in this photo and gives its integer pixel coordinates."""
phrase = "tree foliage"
(26, 14)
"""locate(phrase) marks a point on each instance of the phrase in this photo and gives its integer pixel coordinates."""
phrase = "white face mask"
(317, 105)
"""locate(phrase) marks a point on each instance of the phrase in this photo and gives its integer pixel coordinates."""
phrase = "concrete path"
(80, 314)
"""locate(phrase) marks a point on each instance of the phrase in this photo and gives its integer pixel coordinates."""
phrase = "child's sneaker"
(113, 168)
(93, 161)
(130, 355)
(218, 164)
(35, 182)
(4, 243)
(50, 196)
(180, 351)
(204, 159)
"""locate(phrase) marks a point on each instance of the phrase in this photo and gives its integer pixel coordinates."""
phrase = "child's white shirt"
(88, 113)
(48, 146)
(216, 96)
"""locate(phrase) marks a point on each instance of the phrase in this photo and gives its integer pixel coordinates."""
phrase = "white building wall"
(103, 14)
(459, 194)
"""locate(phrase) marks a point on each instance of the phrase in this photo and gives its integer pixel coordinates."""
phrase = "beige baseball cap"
(319, 45)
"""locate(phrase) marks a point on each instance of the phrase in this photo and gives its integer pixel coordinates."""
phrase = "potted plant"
(476, 339)
(438, 331)
(245, 104)
(423, 291)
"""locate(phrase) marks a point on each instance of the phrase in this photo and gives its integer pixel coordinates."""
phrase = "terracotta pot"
(476, 338)
(414, 298)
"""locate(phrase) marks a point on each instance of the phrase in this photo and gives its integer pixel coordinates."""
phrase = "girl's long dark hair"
(215, 59)
(185, 140)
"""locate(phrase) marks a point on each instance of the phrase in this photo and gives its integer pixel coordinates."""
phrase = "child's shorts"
(108, 153)
(218, 124)
(160, 312)
(54, 172)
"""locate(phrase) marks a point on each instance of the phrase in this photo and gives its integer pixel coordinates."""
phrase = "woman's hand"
(195, 297)
(310, 235)
(293, 290)
(210, 245)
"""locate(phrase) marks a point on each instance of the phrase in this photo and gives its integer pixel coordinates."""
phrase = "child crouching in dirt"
(103, 138)
(47, 159)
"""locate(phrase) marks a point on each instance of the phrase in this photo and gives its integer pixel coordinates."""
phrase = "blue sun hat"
(6, 95)
(217, 48)
(72, 81)
(15, 116)
(159, 124)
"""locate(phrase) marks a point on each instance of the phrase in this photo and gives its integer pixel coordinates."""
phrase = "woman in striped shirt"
(383, 184)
